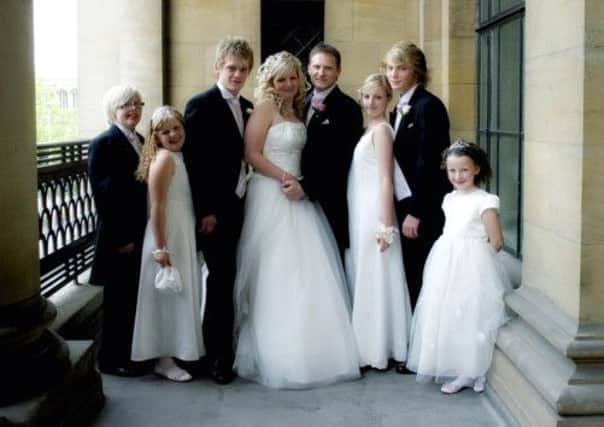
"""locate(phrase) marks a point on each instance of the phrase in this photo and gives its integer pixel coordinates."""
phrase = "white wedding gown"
(292, 317)
(381, 313)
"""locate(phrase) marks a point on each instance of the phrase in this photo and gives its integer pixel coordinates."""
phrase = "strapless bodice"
(284, 144)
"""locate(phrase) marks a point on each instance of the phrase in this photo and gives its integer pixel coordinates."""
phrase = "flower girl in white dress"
(168, 325)
(461, 307)
(381, 312)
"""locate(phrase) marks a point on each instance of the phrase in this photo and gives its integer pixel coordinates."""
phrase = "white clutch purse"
(168, 280)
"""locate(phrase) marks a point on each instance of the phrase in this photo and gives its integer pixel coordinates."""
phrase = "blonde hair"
(273, 67)
(117, 96)
(235, 46)
(411, 56)
(374, 81)
(160, 117)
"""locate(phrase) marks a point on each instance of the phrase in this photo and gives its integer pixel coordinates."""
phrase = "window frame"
(488, 135)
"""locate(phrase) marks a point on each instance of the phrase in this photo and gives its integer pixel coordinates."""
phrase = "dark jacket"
(422, 136)
(332, 135)
(121, 200)
(213, 152)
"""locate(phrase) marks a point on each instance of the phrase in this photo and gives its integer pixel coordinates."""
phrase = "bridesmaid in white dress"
(168, 325)
(292, 323)
(381, 312)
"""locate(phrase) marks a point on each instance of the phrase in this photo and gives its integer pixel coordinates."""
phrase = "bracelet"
(386, 233)
(160, 251)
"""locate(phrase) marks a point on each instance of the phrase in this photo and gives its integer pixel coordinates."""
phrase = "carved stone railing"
(66, 214)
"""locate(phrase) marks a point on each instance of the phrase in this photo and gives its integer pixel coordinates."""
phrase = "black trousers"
(220, 253)
(119, 308)
(415, 251)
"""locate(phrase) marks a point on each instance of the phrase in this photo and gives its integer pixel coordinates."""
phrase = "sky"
(55, 39)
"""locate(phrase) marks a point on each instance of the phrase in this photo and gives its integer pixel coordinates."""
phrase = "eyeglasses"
(137, 105)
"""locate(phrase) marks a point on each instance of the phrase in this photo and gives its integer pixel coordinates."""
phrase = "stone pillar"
(119, 42)
(194, 29)
(363, 31)
(448, 39)
(548, 369)
(31, 357)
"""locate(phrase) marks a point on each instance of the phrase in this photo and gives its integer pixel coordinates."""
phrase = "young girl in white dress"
(168, 325)
(292, 321)
(461, 307)
(381, 312)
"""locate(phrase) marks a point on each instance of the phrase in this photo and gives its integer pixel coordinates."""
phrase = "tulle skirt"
(292, 315)
(459, 310)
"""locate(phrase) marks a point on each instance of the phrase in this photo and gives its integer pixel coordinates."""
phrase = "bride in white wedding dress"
(292, 319)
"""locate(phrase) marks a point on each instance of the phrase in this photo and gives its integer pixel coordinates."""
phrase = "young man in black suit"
(215, 122)
(421, 125)
(334, 125)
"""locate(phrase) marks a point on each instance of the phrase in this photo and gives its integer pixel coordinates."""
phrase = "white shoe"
(456, 385)
(166, 368)
(479, 384)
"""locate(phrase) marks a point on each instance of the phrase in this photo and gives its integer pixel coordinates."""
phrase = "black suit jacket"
(213, 152)
(331, 137)
(422, 136)
(121, 200)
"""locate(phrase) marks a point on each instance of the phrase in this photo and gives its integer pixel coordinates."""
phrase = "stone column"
(548, 369)
(119, 42)
(448, 39)
(31, 357)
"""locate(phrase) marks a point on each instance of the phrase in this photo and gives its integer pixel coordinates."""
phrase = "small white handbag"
(168, 280)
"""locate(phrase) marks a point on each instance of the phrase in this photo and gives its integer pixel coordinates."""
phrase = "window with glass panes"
(500, 128)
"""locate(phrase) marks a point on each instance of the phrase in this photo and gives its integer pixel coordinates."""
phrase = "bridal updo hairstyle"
(159, 118)
(411, 56)
(480, 158)
(273, 67)
(374, 81)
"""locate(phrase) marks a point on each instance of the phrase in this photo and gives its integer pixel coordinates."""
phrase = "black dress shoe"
(222, 373)
(124, 371)
(401, 368)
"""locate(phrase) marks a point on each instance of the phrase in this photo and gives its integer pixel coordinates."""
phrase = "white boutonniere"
(404, 109)
(249, 110)
(325, 122)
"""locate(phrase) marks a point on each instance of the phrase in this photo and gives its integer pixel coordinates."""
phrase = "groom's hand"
(410, 226)
(292, 189)
(207, 224)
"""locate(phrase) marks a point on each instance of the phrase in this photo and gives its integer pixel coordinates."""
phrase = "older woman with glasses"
(121, 204)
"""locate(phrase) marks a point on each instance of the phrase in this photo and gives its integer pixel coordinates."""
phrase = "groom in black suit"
(421, 125)
(334, 125)
(215, 122)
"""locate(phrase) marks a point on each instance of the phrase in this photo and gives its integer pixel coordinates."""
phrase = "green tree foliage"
(53, 123)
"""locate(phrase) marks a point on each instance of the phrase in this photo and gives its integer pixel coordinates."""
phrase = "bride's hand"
(293, 190)
(285, 177)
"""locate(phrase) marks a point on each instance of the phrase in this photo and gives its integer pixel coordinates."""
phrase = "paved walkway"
(377, 400)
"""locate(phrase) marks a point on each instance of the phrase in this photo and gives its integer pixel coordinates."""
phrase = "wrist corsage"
(386, 233)
(159, 251)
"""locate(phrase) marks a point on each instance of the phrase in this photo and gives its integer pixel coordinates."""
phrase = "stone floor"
(377, 400)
